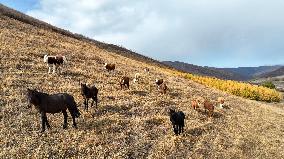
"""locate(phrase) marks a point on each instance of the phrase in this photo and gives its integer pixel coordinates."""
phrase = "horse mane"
(38, 96)
(40, 93)
(85, 89)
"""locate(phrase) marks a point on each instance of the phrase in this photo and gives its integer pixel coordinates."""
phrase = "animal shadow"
(74, 74)
(217, 115)
(140, 93)
(111, 109)
(205, 113)
(175, 94)
(226, 107)
(195, 131)
(104, 125)
(110, 97)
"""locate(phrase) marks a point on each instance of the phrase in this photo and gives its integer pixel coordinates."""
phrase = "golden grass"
(128, 123)
(241, 89)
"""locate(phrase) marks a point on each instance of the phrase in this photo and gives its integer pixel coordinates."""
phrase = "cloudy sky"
(220, 33)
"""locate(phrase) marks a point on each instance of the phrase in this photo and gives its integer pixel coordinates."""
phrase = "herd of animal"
(61, 102)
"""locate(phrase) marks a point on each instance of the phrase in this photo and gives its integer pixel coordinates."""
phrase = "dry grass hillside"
(128, 123)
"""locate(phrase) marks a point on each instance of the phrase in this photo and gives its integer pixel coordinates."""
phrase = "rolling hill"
(275, 73)
(238, 74)
(206, 71)
(252, 72)
(127, 123)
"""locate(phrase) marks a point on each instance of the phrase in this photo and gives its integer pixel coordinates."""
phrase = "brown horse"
(124, 82)
(54, 103)
(89, 92)
(54, 61)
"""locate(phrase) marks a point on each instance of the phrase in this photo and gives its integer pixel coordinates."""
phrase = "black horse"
(177, 119)
(54, 103)
(87, 93)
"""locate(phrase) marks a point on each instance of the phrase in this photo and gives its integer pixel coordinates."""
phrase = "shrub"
(268, 84)
(242, 89)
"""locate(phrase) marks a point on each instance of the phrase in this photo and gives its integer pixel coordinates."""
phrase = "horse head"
(171, 111)
(84, 88)
(45, 58)
(83, 85)
(32, 97)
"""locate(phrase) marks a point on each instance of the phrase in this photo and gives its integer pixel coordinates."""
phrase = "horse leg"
(59, 69)
(176, 129)
(47, 123)
(65, 119)
(49, 69)
(87, 103)
(54, 69)
(92, 102)
(182, 127)
(211, 113)
(74, 122)
(43, 115)
(96, 99)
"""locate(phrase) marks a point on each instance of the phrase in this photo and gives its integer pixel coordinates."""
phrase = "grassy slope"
(127, 123)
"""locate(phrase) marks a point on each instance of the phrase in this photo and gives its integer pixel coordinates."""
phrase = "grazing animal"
(124, 82)
(109, 67)
(163, 88)
(159, 82)
(221, 102)
(54, 61)
(209, 107)
(195, 104)
(54, 103)
(89, 92)
(147, 70)
(136, 77)
(177, 120)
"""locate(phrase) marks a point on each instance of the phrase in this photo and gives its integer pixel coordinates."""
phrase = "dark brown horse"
(177, 120)
(87, 93)
(54, 103)
(124, 82)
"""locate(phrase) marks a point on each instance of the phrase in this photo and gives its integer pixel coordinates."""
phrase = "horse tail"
(72, 107)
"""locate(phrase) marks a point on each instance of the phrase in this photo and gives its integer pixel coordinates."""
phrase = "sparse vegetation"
(127, 123)
(246, 90)
(109, 47)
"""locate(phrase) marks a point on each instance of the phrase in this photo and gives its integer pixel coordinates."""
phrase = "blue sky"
(21, 5)
(220, 33)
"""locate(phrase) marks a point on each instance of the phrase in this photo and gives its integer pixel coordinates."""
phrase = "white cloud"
(204, 32)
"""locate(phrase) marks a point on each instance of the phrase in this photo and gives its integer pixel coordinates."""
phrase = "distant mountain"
(277, 72)
(206, 71)
(239, 73)
(252, 72)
